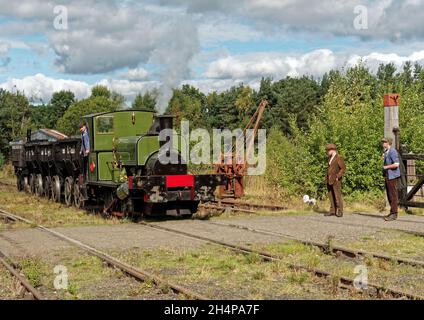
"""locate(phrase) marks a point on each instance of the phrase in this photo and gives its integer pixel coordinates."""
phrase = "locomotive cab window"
(104, 125)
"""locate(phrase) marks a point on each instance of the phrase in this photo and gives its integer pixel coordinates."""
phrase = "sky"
(136, 46)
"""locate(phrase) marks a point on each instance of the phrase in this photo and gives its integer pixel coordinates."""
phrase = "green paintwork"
(104, 128)
(145, 148)
(126, 148)
(122, 126)
(107, 171)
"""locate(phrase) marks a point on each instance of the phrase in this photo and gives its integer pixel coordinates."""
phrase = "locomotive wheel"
(39, 185)
(47, 187)
(69, 190)
(32, 183)
(55, 189)
(78, 196)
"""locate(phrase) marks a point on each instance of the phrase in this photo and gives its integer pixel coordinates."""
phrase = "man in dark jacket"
(85, 149)
(335, 171)
(391, 173)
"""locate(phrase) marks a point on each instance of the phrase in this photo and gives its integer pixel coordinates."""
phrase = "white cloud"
(137, 74)
(373, 60)
(39, 88)
(316, 63)
(275, 65)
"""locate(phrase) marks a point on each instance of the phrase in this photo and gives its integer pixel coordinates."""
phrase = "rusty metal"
(246, 205)
(226, 208)
(234, 165)
(136, 273)
(342, 281)
(24, 282)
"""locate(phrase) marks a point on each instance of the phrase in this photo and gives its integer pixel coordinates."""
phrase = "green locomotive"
(125, 173)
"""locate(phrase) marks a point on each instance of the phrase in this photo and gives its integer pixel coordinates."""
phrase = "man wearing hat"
(391, 173)
(335, 171)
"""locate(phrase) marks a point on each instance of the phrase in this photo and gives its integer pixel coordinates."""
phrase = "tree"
(187, 104)
(14, 118)
(145, 101)
(100, 91)
(47, 116)
(68, 124)
(298, 97)
(61, 101)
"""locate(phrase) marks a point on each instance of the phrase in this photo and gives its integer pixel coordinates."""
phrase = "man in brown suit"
(333, 179)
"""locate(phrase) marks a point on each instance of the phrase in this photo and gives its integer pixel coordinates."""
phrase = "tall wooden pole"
(391, 117)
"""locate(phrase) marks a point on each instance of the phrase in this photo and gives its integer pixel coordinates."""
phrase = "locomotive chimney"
(166, 123)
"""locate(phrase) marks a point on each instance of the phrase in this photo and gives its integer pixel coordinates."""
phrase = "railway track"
(136, 273)
(240, 206)
(327, 248)
(343, 282)
(12, 268)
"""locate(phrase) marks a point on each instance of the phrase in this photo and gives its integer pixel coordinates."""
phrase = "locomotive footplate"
(160, 189)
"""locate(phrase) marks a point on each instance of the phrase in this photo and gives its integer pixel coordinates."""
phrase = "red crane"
(234, 165)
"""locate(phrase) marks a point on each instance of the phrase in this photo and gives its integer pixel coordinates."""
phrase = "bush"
(351, 118)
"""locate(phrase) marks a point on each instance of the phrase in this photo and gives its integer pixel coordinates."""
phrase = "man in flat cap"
(391, 173)
(335, 171)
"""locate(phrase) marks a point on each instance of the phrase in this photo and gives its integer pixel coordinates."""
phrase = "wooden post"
(391, 116)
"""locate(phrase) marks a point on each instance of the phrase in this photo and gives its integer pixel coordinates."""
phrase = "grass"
(88, 277)
(7, 174)
(9, 286)
(34, 270)
(393, 243)
(45, 212)
(404, 277)
(220, 273)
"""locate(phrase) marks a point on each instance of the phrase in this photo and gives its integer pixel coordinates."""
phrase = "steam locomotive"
(125, 174)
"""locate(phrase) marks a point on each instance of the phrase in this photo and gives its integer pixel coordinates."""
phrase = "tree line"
(344, 107)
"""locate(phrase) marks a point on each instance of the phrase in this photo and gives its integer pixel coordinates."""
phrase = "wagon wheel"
(69, 190)
(39, 185)
(27, 187)
(20, 184)
(47, 187)
(55, 189)
(79, 199)
(32, 183)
